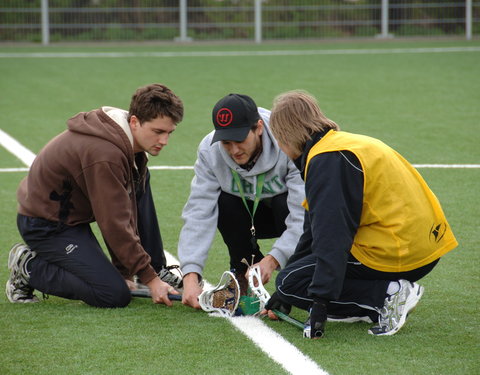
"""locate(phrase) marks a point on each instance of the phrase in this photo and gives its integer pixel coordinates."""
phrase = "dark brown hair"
(155, 100)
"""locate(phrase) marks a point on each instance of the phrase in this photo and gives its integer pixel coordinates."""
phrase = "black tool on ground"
(145, 293)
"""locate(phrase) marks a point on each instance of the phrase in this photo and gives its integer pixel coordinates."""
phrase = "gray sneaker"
(170, 278)
(396, 309)
(17, 288)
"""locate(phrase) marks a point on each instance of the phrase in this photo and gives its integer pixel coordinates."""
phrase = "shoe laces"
(391, 312)
(169, 277)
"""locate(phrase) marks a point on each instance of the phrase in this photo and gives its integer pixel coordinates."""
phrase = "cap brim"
(235, 135)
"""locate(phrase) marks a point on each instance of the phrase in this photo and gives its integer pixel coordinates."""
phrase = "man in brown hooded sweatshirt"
(96, 170)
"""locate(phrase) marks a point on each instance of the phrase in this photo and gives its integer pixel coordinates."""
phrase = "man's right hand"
(191, 290)
(160, 290)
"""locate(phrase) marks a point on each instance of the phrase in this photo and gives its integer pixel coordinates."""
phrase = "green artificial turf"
(425, 105)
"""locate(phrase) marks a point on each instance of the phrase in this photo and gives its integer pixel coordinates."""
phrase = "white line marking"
(13, 170)
(173, 167)
(27, 156)
(276, 347)
(272, 343)
(20, 151)
(186, 167)
(456, 166)
(372, 51)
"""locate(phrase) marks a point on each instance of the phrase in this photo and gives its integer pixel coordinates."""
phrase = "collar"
(301, 161)
(120, 117)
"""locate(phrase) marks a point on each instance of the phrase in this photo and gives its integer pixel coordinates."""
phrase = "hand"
(274, 303)
(191, 290)
(160, 290)
(318, 317)
(267, 265)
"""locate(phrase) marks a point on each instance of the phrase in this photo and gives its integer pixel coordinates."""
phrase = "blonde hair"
(295, 117)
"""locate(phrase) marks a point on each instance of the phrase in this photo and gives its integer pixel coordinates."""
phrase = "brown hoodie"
(86, 174)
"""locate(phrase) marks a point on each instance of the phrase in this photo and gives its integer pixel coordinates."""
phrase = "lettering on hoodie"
(271, 186)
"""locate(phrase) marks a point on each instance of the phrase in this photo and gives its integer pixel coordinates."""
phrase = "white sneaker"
(17, 288)
(171, 278)
(396, 309)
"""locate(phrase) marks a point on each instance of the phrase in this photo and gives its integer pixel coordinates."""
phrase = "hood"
(99, 124)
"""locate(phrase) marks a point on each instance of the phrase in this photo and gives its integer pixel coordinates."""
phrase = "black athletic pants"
(70, 262)
(363, 293)
(234, 223)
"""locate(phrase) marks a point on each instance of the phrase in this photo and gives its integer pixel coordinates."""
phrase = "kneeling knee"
(114, 297)
(122, 299)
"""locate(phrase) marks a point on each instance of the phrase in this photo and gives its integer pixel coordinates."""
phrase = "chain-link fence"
(259, 20)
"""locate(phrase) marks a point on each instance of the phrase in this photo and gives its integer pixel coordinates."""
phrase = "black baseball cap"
(233, 117)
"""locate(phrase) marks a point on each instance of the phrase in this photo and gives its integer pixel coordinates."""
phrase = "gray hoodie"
(213, 175)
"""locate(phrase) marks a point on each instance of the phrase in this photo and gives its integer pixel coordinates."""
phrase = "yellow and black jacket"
(363, 198)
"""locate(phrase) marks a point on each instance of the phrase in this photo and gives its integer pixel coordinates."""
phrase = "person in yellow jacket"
(372, 226)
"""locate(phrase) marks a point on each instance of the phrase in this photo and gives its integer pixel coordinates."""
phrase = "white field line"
(166, 167)
(455, 166)
(20, 151)
(276, 347)
(187, 167)
(372, 51)
(27, 156)
(269, 341)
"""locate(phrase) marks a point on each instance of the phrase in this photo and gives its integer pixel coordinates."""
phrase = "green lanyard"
(258, 193)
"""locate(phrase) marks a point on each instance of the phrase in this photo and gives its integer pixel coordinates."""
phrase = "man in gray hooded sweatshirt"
(248, 188)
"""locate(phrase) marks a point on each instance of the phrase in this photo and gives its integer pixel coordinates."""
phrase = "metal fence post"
(258, 21)
(384, 21)
(183, 23)
(468, 19)
(45, 23)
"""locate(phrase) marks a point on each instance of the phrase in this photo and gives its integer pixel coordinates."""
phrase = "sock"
(393, 287)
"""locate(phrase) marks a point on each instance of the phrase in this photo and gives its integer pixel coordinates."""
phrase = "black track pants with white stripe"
(363, 293)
